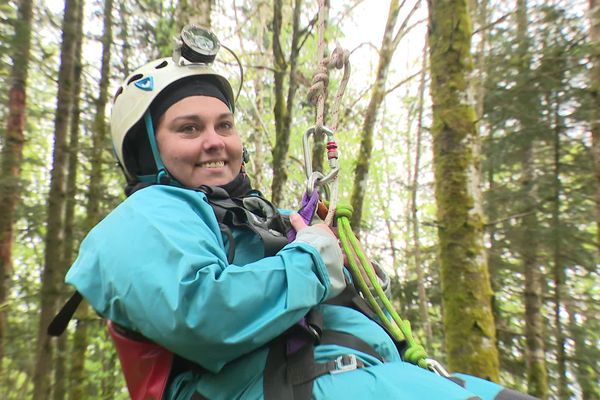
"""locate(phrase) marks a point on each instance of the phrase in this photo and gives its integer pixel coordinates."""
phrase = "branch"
(402, 82)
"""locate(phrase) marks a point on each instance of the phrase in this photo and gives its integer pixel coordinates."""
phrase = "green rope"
(400, 329)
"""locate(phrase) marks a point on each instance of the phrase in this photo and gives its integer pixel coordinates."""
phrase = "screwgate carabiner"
(316, 178)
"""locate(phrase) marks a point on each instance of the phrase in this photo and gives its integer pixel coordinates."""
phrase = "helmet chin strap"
(162, 175)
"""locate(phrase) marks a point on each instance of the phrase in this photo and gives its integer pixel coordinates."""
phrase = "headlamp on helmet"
(197, 45)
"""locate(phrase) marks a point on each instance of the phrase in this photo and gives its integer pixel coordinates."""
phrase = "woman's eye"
(226, 125)
(189, 128)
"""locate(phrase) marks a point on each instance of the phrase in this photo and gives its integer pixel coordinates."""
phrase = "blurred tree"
(468, 320)
(54, 258)
(12, 152)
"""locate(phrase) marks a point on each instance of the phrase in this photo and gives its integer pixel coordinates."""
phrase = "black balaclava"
(139, 159)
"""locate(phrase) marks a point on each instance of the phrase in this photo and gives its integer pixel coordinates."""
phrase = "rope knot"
(319, 84)
(339, 58)
(415, 353)
(344, 210)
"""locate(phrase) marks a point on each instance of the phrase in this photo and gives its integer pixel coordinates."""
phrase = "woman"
(215, 283)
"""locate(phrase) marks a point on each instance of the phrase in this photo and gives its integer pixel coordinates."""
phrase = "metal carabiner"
(316, 178)
(436, 367)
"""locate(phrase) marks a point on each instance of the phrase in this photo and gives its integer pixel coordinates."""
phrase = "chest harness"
(290, 368)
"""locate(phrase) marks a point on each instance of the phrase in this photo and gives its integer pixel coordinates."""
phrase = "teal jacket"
(158, 265)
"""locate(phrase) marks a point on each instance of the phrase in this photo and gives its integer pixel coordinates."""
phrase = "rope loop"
(339, 58)
(415, 354)
(344, 211)
(319, 84)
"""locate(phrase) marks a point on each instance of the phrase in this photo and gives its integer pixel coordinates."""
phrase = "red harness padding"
(146, 365)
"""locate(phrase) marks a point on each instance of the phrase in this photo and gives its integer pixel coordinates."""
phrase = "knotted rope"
(399, 328)
(318, 93)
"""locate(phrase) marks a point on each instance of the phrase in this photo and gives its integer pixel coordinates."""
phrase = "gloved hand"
(323, 239)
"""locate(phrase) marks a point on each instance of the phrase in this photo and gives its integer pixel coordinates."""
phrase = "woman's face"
(198, 142)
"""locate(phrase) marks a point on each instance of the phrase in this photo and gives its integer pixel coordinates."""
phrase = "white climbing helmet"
(134, 97)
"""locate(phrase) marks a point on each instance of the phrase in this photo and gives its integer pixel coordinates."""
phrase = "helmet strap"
(162, 175)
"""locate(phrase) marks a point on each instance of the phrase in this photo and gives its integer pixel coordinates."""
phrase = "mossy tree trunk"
(12, 153)
(53, 257)
(414, 189)
(283, 106)
(466, 292)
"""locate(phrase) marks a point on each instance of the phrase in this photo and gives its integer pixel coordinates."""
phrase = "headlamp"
(198, 45)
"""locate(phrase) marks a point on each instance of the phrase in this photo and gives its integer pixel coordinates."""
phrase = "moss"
(468, 319)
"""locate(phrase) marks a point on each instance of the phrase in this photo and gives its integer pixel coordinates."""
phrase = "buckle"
(346, 362)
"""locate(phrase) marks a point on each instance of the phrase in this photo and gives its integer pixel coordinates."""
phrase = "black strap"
(291, 376)
(233, 212)
(351, 298)
(60, 322)
(350, 341)
(275, 384)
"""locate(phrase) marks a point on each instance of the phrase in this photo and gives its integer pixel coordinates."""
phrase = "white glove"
(322, 238)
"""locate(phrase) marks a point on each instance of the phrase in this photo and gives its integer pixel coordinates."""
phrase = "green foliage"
(556, 97)
(557, 109)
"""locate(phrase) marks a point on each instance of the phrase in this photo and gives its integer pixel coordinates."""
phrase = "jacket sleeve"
(157, 265)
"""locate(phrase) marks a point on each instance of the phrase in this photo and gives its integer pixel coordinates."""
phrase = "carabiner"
(315, 178)
(436, 367)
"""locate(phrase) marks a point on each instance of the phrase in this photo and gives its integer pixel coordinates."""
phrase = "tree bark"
(196, 12)
(61, 372)
(527, 246)
(422, 294)
(361, 171)
(559, 273)
(12, 153)
(283, 107)
(466, 292)
(53, 257)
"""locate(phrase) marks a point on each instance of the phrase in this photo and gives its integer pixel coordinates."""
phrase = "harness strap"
(350, 298)
(291, 368)
(233, 212)
(61, 320)
(346, 340)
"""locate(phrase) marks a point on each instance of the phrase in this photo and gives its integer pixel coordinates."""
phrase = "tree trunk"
(466, 292)
(361, 171)
(259, 134)
(126, 47)
(527, 246)
(559, 273)
(62, 349)
(585, 356)
(12, 153)
(283, 107)
(196, 12)
(53, 257)
(423, 301)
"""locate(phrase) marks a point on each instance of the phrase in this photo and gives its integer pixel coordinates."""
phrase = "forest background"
(469, 141)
